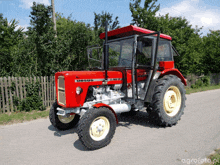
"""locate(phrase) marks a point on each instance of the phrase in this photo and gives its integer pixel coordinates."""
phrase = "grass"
(213, 158)
(19, 117)
(200, 89)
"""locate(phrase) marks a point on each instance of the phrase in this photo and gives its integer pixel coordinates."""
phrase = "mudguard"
(175, 72)
(105, 105)
(172, 71)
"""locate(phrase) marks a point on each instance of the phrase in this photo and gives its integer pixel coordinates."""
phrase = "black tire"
(161, 109)
(88, 121)
(57, 123)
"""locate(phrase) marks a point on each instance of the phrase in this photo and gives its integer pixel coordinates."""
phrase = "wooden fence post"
(20, 86)
(48, 92)
(6, 93)
(10, 94)
(23, 85)
(15, 90)
(3, 94)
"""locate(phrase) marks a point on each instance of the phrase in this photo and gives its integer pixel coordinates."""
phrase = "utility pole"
(54, 18)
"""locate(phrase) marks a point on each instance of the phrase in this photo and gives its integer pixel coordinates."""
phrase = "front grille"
(61, 90)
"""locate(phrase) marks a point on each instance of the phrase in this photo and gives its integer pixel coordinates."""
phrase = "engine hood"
(83, 79)
(89, 74)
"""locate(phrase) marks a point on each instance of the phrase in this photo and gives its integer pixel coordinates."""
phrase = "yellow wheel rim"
(172, 101)
(66, 120)
(99, 128)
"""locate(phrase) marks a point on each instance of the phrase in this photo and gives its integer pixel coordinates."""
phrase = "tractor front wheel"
(168, 100)
(96, 128)
(62, 122)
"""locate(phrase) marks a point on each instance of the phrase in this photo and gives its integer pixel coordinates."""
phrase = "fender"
(107, 106)
(175, 72)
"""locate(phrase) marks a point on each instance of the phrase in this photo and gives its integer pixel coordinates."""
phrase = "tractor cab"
(138, 53)
(121, 46)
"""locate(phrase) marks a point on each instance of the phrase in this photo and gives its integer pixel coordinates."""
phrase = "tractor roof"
(130, 30)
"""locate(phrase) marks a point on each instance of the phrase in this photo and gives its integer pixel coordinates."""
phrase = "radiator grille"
(61, 90)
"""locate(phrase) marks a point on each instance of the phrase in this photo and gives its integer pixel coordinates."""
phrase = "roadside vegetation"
(213, 159)
(21, 116)
(200, 89)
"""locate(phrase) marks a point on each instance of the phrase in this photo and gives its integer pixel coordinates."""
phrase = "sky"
(203, 13)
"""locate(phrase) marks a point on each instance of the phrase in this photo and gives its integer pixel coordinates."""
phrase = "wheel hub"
(172, 101)
(66, 119)
(99, 128)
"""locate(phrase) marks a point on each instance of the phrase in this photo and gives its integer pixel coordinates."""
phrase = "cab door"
(145, 64)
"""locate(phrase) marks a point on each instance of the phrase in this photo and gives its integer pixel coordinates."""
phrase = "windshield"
(120, 52)
(95, 57)
(145, 48)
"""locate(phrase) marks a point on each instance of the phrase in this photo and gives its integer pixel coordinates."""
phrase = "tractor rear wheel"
(61, 122)
(96, 128)
(168, 101)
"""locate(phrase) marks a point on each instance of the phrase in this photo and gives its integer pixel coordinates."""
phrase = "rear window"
(164, 51)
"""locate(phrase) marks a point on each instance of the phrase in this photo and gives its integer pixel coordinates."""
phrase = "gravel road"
(137, 140)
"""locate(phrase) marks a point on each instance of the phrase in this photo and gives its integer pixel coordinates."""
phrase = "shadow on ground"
(59, 133)
(78, 145)
(141, 118)
(124, 120)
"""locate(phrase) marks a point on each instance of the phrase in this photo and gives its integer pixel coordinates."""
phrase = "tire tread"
(156, 110)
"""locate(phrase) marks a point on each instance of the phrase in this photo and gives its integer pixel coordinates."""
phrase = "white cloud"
(195, 14)
(26, 4)
(22, 26)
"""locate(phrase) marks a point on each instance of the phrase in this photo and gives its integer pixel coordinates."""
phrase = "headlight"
(78, 90)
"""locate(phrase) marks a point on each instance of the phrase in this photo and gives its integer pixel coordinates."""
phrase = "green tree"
(144, 17)
(186, 40)
(24, 59)
(42, 36)
(99, 25)
(9, 40)
(211, 59)
(72, 39)
(99, 21)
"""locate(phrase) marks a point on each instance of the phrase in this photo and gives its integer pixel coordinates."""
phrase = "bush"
(206, 80)
(203, 81)
(32, 101)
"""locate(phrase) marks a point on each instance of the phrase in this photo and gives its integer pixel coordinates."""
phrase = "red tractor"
(135, 70)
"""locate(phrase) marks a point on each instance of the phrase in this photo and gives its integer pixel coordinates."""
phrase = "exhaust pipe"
(120, 108)
(106, 51)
